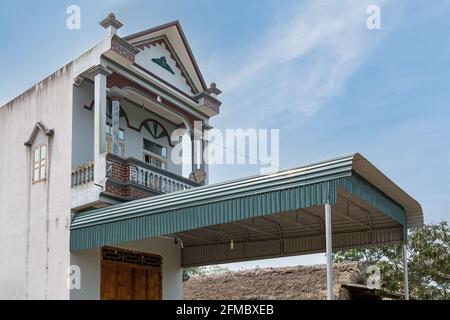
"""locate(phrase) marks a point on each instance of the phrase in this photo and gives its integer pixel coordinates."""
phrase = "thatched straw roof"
(292, 283)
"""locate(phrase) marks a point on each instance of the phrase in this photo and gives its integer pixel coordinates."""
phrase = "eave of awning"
(242, 199)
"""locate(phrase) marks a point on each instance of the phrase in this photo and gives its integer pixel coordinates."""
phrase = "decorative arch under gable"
(155, 129)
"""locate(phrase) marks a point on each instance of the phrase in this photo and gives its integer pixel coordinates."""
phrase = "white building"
(146, 86)
(85, 144)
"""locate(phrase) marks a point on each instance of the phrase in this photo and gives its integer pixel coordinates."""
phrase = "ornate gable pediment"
(159, 57)
(172, 37)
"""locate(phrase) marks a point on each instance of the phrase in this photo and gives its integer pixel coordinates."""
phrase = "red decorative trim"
(128, 191)
(122, 51)
(130, 126)
(117, 80)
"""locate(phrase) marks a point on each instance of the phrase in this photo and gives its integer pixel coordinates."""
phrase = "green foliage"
(428, 262)
(202, 271)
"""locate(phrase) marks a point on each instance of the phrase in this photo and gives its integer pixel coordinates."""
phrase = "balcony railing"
(132, 171)
(83, 174)
(131, 178)
(154, 180)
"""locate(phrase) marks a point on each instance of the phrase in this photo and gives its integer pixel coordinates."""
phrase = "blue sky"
(310, 68)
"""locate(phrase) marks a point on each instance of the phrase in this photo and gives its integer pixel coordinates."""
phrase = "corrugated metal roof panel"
(243, 199)
(368, 171)
(221, 253)
(110, 229)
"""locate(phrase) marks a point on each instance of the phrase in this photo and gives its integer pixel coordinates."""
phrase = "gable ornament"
(162, 62)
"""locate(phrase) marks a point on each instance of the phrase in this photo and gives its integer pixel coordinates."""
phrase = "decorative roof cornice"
(206, 95)
(99, 69)
(125, 44)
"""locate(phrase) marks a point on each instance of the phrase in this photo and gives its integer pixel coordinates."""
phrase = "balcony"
(125, 179)
(83, 174)
(133, 176)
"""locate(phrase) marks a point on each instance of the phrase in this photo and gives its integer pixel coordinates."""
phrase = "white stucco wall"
(35, 218)
(89, 263)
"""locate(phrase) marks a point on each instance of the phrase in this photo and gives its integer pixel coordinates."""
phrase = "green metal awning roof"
(239, 200)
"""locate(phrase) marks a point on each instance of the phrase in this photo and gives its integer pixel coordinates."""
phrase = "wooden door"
(140, 290)
(154, 290)
(108, 281)
(128, 275)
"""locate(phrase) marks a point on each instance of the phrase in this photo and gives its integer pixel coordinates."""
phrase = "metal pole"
(329, 251)
(405, 270)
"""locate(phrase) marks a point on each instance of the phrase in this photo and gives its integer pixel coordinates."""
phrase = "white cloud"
(302, 61)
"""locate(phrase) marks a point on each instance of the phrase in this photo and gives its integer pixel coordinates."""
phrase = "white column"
(100, 102)
(405, 270)
(329, 251)
(100, 73)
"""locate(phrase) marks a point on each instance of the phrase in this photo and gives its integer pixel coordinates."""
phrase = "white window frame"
(41, 164)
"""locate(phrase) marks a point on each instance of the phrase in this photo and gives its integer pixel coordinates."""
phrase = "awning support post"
(405, 270)
(329, 251)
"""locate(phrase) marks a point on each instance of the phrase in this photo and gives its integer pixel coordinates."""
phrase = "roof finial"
(111, 24)
(213, 90)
